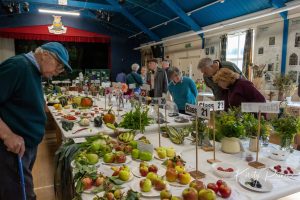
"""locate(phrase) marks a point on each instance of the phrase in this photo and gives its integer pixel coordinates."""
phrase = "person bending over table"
(209, 68)
(235, 89)
(182, 89)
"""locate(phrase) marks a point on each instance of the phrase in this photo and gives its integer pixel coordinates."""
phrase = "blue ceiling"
(135, 16)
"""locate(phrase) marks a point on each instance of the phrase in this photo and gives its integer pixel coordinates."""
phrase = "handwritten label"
(158, 101)
(79, 140)
(145, 87)
(217, 105)
(132, 86)
(262, 107)
(199, 111)
(145, 147)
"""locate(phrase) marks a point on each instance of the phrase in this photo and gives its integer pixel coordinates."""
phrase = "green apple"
(109, 158)
(146, 185)
(126, 168)
(124, 175)
(207, 194)
(135, 154)
(145, 156)
(117, 194)
(184, 178)
(133, 143)
(175, 198)
(179, 169)
(98, 144)
(92, 158)
(152, 176)
(162, 153)
(171, 152)
(165, 194)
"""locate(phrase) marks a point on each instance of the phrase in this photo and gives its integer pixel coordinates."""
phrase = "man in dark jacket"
(158, 79)
(22, 115)
(209, 68)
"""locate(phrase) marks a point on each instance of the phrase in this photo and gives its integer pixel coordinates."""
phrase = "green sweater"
(21, 99)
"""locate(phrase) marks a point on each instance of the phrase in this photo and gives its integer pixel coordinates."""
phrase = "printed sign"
(199, 111)
(262, 107)
(217, 105)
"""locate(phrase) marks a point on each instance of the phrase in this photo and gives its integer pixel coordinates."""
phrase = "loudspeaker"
(158, 51)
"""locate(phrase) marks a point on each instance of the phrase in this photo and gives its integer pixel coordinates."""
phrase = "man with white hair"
(209, 68)
(166, 66)
(135, 78)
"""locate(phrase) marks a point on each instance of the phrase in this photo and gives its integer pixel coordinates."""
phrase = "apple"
(92, 158)
(87, 183)
(145, 156)
(179, 163)
(184, 178)
(179, 169)
(162, 153)
(219, 183)
(128, 149)
(145, 185)
(143, 163)
(110, 196)
(119, 147)
(175, 198)
(171, 175)
(99, 181)
(125, 167)
(120, 157)
(124, 175)
(197, 185)
(117, 194)
(224, 191)
(116, 173)
(133, 143)
(165, 194)
(170, 152)
(135, 154)
(190, 194)
(109, 158)
(153, 168)
(170, 164)
(144, 171)
(207, 194)
(152, 176)
(213, 187)
(159, 184)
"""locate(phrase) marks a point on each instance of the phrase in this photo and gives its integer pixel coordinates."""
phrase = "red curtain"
(42, 33)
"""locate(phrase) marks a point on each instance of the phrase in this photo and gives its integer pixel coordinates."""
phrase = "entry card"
(262, 107)
(105, 84)
(158, 101)
(199, 111)
(217, 105)
(132, 86)
(145, 87)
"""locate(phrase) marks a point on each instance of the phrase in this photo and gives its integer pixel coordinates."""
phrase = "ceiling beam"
(183, 16)
(279, 4)
(78, 5)
(135, 21)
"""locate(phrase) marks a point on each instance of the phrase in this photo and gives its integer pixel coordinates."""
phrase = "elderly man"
(209, 68)
(22, 115)
(158, 79)
(166, 66)
(135, 78)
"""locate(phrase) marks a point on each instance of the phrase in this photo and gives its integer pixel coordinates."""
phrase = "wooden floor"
(43, 170)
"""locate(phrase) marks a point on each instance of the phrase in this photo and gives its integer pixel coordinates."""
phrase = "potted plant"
(286, 127)
(285, 84)
(250, 123)
(229, 128)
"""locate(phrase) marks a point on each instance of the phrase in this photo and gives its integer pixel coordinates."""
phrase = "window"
(235, 49)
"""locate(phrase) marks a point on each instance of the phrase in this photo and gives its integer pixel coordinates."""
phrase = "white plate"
(266, 185)
(130, 178)
(73, 164)
(153, 193)
(136, 172)
(128, 160)
(223, 174)
(283, 167)
(279, 155)
(177, 184)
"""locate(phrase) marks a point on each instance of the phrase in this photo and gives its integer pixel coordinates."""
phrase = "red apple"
(128, 149)
(171, 175)
(170, 164)
(87, 183)
(119, 148)
(198, 185)
(144, 171)
(225, 191)
(110, 196)
(184, 178)
(153, 168)
(213, 187)
(159, 184)
(190, 194)
(120, 157)
(219, 183)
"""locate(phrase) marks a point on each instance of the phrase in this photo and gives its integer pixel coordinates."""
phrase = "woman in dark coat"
(235, 89)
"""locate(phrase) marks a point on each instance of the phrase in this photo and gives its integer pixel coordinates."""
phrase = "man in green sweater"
(209, 68)
(22, 115)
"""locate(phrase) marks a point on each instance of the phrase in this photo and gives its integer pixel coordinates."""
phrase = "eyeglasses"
(60, 67)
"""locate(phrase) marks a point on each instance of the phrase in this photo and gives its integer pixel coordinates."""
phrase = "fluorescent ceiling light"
(59, 12)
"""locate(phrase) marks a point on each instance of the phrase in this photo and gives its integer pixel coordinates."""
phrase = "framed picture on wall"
(207, 51)
(271, 67)
(272, 40)
(260, 50)
(212, 50)
(297, 40)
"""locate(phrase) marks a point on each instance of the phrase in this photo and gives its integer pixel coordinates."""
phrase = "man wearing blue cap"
(22, 115)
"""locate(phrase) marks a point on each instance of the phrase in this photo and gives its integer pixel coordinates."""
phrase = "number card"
(217, 105)
(106, 84)
(261, 107)
(145, 87)
(197, 110)
(132, 86)
(158, 101)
